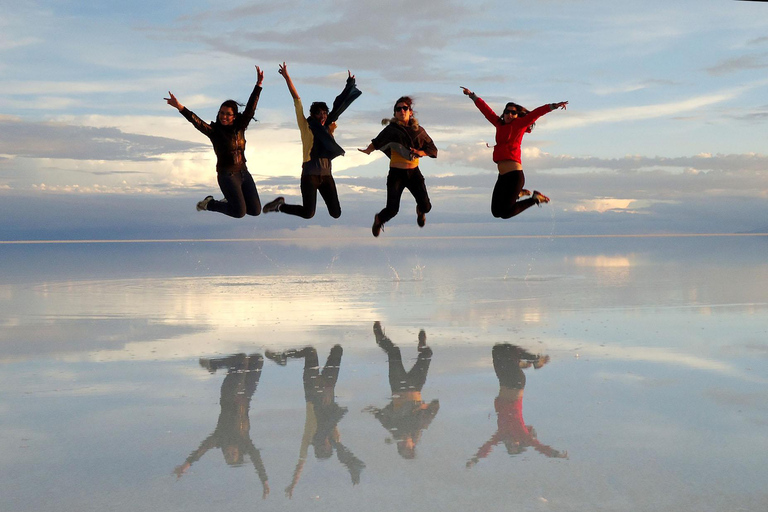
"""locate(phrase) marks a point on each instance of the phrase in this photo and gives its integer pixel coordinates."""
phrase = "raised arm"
(284, 72)
(250, 107)
(344, 99)
(172, 101)
(198, 123)
(487, 111)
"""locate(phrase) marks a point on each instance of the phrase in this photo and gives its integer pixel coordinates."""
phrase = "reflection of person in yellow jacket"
(232, 433)
(406, 416)
(323, 413)
(509, 361)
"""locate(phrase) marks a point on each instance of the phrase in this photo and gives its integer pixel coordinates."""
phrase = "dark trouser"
(504, 202)
(240, 193)
(397, 181)
(399, 380)
(310, 185)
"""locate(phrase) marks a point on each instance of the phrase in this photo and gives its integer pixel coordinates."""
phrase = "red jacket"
(510, 136)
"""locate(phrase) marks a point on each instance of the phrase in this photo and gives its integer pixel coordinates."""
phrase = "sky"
(664, 131)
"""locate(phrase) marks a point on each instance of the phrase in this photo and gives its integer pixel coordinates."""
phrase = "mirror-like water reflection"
(560, 379)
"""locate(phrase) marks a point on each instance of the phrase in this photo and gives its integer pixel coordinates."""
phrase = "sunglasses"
(404, 108)
(511, 112)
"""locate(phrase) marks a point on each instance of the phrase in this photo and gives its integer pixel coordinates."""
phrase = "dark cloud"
(736, 64)
(56, 140)
(398, 36)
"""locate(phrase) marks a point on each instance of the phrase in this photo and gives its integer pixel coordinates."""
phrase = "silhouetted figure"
(232, 433)
(509, 361)
(323, 413)
(407, 415)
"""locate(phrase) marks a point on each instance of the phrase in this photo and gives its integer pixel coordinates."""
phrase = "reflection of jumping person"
(508, 361)
(323, 413)
(406, 416)
(515, 122)
(227, 134)
(319, 149)
(403, 141)
(232, 433)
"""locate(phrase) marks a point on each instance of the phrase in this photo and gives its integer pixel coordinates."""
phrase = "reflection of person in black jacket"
(319, 148)
(232, 433)
(509, 361)
(406, 416)
(403, 140)
(227, 134)
(323, 413)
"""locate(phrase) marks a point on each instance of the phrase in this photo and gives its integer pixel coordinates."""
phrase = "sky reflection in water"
(563, 378)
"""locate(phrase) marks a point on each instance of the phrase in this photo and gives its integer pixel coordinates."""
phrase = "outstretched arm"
(487, 111)
(172, 101)
(250, 107)
(469, 93)
(284, 72)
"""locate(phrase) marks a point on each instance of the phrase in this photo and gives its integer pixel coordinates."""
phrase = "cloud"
(54, 140)
(736, 64)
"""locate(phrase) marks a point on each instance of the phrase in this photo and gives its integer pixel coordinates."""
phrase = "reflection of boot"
(422, 340)
(378, 332)
(208, 365)
(279, 358)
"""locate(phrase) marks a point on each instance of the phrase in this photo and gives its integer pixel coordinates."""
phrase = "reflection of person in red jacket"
(514, 122)
(508, 361)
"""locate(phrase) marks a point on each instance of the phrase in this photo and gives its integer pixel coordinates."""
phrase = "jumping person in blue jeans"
(227, 134)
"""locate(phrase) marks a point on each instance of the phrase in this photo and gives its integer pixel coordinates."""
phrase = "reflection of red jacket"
(512, 428)
(510, 136)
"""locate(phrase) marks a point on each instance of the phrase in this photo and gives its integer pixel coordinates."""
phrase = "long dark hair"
(234, 105)
(521, 112)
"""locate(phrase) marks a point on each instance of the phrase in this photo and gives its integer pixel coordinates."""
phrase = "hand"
(265, 490)
(351, 75)
(367, 150)
(466, 91)
(417, 152)
(561, 105)
(283, 70)
(180, 470)
(259, 76)
(172, 101)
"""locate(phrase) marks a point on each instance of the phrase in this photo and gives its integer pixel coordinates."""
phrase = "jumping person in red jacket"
(514, 122)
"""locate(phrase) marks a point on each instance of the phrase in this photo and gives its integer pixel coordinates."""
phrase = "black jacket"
(228, 141)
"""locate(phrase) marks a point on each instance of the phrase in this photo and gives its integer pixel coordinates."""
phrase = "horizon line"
(304, 238)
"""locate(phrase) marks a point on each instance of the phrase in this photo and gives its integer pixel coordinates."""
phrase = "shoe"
(203, 205)
(273, 206)
(539, 198)
(421, 217)
(279, 358)
(376, 228)
(524, 193)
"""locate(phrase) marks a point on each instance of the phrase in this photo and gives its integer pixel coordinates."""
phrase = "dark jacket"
(228, 141)
(412, 136)
(325, 146)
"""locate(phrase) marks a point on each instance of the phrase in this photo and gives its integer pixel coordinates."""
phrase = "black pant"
(504, 203)
(311, 184)
(240, 193)
(397, 181)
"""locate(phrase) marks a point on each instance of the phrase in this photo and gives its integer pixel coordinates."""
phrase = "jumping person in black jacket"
(227, 134)
(403, 141)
